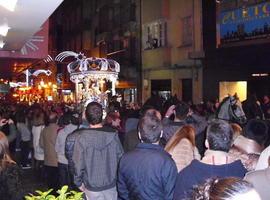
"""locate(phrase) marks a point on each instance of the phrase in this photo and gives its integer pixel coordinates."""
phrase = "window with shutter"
(155, 35)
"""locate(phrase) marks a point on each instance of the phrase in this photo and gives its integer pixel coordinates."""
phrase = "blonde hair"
(5, 158)
(187, 132)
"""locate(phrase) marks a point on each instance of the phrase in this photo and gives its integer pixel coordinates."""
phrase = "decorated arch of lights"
(90, 76)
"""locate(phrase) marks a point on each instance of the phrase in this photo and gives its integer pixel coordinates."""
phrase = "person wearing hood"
(96, 154)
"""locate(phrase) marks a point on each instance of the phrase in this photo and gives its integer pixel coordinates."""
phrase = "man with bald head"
(47, 142)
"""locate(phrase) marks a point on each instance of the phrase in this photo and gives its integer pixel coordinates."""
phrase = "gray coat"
(96, 156)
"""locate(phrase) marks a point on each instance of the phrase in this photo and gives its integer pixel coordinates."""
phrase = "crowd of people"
(142, 153)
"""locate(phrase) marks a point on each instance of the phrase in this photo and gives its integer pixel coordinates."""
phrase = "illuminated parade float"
(94, 78)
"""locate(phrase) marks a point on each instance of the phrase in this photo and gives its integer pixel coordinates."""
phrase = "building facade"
(172, 49)
(236, 43)
(101, 28)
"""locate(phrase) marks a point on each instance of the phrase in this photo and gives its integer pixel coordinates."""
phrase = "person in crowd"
(132, 120)
(266, 106)
(182, 147)
(97, 152)
(261, 180)
(71, 123)
(38, 125)
(215, 163)
(182, 116)
(113, 120)
(180, 112)
(210, 109)
(225, 189)
(25, 136)
(147, 172)
(252, 107)
(155, 101)
(10, 175)
(82, 118)
(131, 140)
(247, 147)
(131, 137)
(114, 104)
(69, 147)
(47, 142)
(7, 126)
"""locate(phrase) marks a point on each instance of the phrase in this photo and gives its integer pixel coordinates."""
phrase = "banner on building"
(243, 24)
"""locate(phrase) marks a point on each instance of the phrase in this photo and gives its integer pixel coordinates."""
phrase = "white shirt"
(38, 151)
(60, 142)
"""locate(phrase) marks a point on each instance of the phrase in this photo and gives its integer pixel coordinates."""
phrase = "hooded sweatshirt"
(96, 156)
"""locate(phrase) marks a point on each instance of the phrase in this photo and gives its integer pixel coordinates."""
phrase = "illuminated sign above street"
(244, 25)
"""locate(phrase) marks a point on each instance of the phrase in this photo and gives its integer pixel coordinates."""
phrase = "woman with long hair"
(10, 176)
(182, 147)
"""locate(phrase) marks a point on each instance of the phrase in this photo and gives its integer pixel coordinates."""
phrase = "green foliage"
(63, 194)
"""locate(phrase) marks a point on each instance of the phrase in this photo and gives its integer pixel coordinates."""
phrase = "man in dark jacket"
(215, 163)
(147, 172)
(97, 152)
(182, 116)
